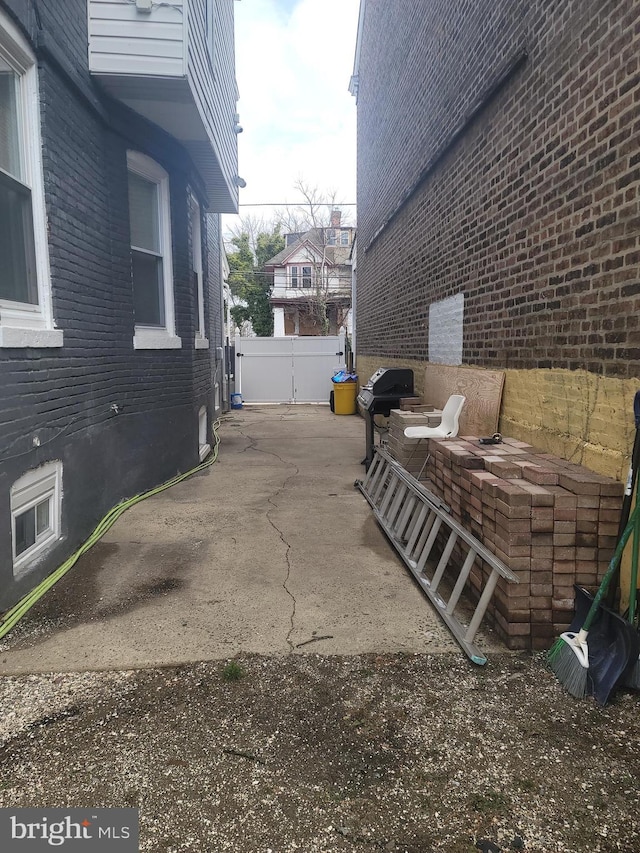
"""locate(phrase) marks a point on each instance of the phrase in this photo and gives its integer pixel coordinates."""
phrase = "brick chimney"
(336, 216)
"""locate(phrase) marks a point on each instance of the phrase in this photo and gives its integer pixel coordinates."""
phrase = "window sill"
(147, 338)
(27, 560)
(13, 336)
(201, 343)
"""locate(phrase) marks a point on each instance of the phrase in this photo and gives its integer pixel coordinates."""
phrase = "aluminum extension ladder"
(412, 517)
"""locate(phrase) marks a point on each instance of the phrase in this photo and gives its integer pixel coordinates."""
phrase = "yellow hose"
(15, 614)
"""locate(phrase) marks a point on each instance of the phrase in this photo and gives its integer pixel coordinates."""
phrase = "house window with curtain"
(25, 299)
(151, 264)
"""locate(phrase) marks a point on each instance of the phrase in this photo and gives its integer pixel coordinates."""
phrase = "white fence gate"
(287, 370)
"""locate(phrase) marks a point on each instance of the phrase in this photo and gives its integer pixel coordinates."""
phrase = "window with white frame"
(204, 447)
(201, 341)
(300, 276)
(151, 263)
(36, 513)
(25, 298)
(344, 238)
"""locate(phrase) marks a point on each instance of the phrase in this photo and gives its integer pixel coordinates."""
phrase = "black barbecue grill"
(383, 392)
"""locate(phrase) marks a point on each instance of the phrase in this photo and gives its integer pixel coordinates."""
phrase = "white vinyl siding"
(124, 40)
(175, 65)
(210, 69)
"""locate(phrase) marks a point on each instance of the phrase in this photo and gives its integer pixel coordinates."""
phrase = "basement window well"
(36, 512)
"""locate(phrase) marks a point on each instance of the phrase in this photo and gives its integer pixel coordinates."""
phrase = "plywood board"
(482, 388)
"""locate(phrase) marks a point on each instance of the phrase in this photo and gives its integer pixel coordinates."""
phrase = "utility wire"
(294, 204)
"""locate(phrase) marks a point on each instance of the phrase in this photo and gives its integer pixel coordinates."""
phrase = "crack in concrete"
(292, 615)
(271, 500)
(253, 445)
(287, 545)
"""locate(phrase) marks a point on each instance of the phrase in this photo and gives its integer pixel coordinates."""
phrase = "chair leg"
(415, 447)
(424, 465)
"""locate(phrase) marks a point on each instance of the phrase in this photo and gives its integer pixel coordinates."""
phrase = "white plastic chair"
(447, 428)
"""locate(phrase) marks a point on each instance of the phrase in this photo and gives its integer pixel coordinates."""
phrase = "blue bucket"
(236, 401)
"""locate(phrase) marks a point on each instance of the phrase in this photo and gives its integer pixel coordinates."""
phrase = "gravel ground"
(412, 753)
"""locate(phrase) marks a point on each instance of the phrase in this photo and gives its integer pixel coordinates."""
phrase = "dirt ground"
(412, 753)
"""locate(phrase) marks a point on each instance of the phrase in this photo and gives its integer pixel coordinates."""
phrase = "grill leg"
(368, 459)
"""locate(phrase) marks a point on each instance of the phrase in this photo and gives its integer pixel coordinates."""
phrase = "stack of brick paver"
(554, 523)
(410, 453)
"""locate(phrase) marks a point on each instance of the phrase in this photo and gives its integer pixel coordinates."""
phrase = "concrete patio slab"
(270, 550)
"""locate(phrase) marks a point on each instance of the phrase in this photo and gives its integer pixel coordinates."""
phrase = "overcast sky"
(294, 59)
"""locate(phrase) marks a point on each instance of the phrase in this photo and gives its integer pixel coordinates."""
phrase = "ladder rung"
(380, 483)
(392, 485)
(404, 517)
(424, 535)
(396, 504)
(444, 559)
(426, 551)
(413, 519)
(481, 606)
(415, 528)
(462, 579)
(376, 468)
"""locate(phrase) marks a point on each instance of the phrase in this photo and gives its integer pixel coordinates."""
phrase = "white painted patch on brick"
(446, 320)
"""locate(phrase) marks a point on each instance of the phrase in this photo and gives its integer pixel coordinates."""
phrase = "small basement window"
(36, 511)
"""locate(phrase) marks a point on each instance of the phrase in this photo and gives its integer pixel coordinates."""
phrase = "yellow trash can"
(344, 397)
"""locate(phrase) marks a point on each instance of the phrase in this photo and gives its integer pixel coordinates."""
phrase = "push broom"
(571, 656)
(633, 676)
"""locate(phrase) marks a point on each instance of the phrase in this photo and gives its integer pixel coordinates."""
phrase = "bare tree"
(250, 225)
(313, 211)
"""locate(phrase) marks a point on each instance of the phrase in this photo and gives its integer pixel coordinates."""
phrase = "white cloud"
(294, 59)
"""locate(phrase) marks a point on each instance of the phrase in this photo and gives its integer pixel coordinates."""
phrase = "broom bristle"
(568, 668)
(632, 679)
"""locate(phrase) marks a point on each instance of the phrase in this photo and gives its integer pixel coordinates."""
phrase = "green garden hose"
(11, 617)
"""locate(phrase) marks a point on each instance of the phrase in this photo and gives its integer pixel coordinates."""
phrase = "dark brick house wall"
(60, 399)
(498, 156)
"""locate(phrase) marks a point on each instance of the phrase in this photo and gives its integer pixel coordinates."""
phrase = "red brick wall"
(522, 195)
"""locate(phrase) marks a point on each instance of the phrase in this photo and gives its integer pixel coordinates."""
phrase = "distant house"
(117, 156)
(311, 292)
